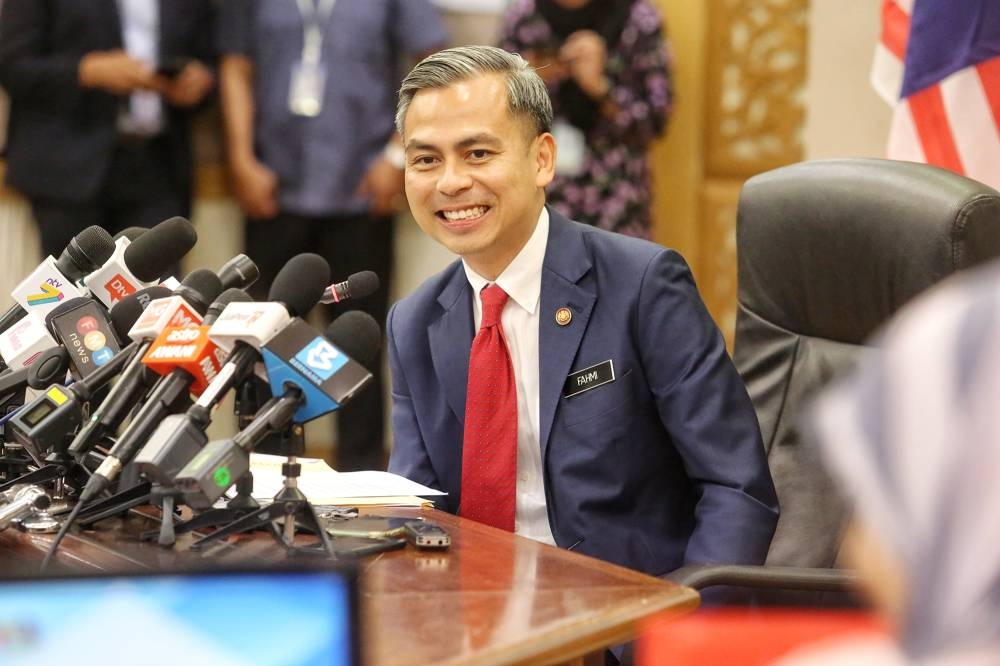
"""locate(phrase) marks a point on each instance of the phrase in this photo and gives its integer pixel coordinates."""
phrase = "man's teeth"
(466, 214)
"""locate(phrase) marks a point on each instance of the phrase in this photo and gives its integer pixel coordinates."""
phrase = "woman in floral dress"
(607, 66)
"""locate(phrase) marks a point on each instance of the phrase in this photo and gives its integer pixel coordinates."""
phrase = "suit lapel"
(566, 262)
(451, 339)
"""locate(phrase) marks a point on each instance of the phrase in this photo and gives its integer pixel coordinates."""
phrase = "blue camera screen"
(263, 619)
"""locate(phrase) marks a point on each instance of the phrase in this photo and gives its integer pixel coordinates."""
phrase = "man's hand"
(115, 72)
(382, 185)
(585, 55)
(256, 188)
(187, 88)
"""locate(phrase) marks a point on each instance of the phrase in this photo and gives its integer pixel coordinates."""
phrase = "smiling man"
(559, 381)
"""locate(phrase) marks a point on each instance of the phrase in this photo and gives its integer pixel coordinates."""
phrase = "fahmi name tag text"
(588, 378)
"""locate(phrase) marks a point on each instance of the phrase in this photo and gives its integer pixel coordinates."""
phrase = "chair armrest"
(701, 576)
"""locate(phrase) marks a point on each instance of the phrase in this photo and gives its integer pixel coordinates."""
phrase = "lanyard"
(315, 15)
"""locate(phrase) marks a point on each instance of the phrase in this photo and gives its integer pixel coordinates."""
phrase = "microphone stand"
(290, 506)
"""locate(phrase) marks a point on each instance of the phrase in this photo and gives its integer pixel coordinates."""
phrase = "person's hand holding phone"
(188, 87)
(115, 72)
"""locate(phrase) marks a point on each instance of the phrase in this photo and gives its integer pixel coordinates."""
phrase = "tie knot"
(494, 298)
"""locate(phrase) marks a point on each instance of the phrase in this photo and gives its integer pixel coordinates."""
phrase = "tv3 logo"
(50, 293)
(322, 358)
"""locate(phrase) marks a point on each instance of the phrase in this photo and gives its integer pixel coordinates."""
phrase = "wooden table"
(492, 598)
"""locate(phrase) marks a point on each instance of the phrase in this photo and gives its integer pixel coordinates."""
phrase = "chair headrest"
(832, 248)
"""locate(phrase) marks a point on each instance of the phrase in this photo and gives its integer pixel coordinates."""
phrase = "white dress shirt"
(522, 280)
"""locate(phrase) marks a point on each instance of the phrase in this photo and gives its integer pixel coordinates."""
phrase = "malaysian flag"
(938, 64)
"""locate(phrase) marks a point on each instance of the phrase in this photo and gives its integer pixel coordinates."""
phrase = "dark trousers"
(350, 244)
(140, 190)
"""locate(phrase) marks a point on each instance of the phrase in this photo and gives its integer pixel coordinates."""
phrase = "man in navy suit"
(101, 92)
(636, 440)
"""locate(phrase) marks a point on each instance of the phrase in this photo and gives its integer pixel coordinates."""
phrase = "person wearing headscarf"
(607, 66)
(914, 440)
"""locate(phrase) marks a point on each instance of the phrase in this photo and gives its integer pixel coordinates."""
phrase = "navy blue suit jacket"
(662, 467)
(62, 136)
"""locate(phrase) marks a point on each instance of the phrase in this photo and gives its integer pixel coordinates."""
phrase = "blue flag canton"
(947, 36)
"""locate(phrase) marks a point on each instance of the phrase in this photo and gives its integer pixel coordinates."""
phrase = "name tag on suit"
(582, 381)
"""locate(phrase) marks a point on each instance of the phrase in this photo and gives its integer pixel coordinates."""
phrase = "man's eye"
(479, 154)
(423, 160)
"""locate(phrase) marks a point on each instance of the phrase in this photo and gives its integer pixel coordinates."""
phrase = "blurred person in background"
(308, 96)
(914, 440)
(607, 67)
(101, 94)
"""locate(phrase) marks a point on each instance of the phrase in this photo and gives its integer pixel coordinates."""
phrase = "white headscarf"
(914, 439)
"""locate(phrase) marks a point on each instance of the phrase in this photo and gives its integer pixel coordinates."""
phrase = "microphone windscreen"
(131, 233)
(362, 284)
(358, 335)
(199, 288)
(300, 283)
(240, 272)
(88, 250)
(232, 295)
(152, 253)
(126, 312)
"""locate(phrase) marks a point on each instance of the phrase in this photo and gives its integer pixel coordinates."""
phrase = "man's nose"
(454, 179)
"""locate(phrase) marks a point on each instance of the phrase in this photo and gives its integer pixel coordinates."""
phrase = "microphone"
(22, 501)
(182, 309)
(357, 285)
(131, 233)
(240, 272)
(44, 423)
(22, 343)
(127, 311)
(244, 327)
(191, 362)
(296, 289)
(81, 326)
(314, 377)
(53, 279)
(139, 264)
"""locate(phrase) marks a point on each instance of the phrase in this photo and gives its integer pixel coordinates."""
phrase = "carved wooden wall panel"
(754, 117)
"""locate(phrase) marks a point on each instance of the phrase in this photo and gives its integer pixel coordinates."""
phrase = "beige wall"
(845, 117)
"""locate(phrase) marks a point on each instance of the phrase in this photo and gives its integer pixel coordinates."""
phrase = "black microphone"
(240, 272)
(306, 395)
(294, 291)
(44, 423)
(169, 391)
(131, 233)
(81, 325)
(192, 297)
(88, 250)
(137, 264)
(357, 285)
(125, 312)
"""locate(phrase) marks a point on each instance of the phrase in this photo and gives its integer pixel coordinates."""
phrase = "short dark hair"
(527, 95)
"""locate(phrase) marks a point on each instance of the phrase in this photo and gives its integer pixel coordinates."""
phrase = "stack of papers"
(321, 484)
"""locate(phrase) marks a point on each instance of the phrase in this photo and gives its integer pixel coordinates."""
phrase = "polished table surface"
(492, 598)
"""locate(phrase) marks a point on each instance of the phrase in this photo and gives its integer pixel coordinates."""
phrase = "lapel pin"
(564, 316)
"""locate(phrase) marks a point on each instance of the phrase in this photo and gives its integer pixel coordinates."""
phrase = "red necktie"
(489, 449)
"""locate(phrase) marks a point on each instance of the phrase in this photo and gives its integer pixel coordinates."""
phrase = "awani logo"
(320, 358)
(50, 294)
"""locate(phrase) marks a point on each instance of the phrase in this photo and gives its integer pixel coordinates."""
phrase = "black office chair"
(827, 251)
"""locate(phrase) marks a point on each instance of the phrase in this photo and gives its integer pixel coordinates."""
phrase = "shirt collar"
(522, 279)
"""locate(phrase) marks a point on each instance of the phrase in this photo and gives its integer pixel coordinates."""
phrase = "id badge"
(305, 97)
(572, 147)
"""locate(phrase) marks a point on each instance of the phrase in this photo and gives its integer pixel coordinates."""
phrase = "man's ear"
(545, 159)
